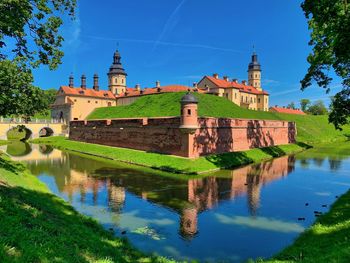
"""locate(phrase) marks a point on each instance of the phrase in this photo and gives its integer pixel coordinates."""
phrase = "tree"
(32, 25)
(50, 95)
(291, 106)
(318, 108)
(304, 104)
(329, 22)
(29, 37)
(17, 94)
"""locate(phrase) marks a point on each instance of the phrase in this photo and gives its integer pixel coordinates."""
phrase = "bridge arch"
(19, 132)
(46, 132)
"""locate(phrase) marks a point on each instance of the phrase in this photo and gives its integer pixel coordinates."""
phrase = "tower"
(117, 76)
(189, 114)
(254, 72)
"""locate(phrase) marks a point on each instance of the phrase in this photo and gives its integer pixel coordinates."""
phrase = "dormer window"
(81, 92)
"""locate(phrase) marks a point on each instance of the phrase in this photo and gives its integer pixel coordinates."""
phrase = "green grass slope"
(311, 129)
(37, 226)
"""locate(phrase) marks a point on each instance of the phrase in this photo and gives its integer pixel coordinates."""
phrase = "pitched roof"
(221, 83)
(105, 94)
(132, 92)
(287, 110)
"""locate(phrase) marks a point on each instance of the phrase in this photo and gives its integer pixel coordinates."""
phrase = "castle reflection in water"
(87, 178)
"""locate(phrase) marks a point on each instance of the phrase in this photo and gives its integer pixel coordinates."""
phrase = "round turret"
(189, 113)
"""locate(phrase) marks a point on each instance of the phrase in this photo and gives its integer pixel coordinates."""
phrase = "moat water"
(230, 216)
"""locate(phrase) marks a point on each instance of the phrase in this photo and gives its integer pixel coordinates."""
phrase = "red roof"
(106, 94)
(287, 110)
(221, 83)
(132, 92)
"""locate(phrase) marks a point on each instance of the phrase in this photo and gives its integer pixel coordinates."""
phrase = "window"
(246, 99)
(96, 101)
(116, 81)
(75, 119)
(254, 100)
(226, 94)
(251, 100)
(109, 104)
(122, 81)
(251, 75)
(75, 100)
(266, 100)
(256, 75)
(258, 100)
(235, 95)
(88, 101)
(189, 112)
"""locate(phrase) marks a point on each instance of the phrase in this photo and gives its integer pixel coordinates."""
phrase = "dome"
(189, 98)
(116, 68)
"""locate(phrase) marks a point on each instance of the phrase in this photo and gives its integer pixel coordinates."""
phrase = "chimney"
(138, 87)
(71, 81)
(216, 75)
(244, 82)
(96, 87)
(195, 86)
(235, 80)
(276, 106)
(226, 78)
(159, 89)
(157, 83)
(83, 81)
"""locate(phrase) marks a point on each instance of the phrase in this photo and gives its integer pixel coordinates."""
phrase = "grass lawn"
(311, 129)
(172, 163)
(328, 240)
(37, 226)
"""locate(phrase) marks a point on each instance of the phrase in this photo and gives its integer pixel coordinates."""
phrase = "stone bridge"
(34, 129)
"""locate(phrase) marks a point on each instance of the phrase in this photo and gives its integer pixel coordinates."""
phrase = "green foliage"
(291, 105)
(33, 27)
(329, 22)
(317, 108)
(304, 104)
(170, 163)
(311, 129)
(17, 133)
(17, 94)
(37, 226)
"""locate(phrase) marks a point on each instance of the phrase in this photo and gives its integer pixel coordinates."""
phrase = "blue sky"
(179, 41)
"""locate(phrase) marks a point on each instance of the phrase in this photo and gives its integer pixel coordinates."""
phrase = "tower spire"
(117, 75)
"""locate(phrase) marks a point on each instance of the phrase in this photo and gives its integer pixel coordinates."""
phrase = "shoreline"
(173, 164)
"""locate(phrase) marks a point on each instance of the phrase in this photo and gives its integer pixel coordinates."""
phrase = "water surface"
(229, 216)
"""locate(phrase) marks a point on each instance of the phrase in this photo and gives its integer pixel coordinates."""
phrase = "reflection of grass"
(37, 226)
(172, 163)
(18, 148)
(3, 142)
(328, 240)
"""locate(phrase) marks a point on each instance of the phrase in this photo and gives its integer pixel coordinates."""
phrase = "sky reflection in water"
(231, 215)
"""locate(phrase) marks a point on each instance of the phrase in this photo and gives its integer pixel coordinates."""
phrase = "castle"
(76, 103)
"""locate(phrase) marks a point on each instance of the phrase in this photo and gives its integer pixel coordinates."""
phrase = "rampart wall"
(164, 135)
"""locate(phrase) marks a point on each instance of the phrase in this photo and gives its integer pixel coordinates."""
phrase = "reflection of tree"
(334, 164)
(318, 161)
(305, 163)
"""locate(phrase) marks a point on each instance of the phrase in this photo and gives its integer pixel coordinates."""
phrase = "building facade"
(76, 103)
(250, 96)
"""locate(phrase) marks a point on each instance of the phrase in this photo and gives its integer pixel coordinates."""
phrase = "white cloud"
(261, 223)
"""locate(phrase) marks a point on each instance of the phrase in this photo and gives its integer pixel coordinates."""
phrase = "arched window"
(189, 111)
(122, 81)
(109, 104)
(116, 81)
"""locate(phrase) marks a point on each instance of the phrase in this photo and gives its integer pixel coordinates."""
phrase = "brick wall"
(214, 135)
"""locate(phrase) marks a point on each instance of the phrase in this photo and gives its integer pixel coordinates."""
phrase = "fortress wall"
(213, 135)
(146, 134)
(219, 135)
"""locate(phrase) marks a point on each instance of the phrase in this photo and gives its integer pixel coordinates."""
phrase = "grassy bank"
(328, 240)
(311, 129)
(173, 163)
(37, 226)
